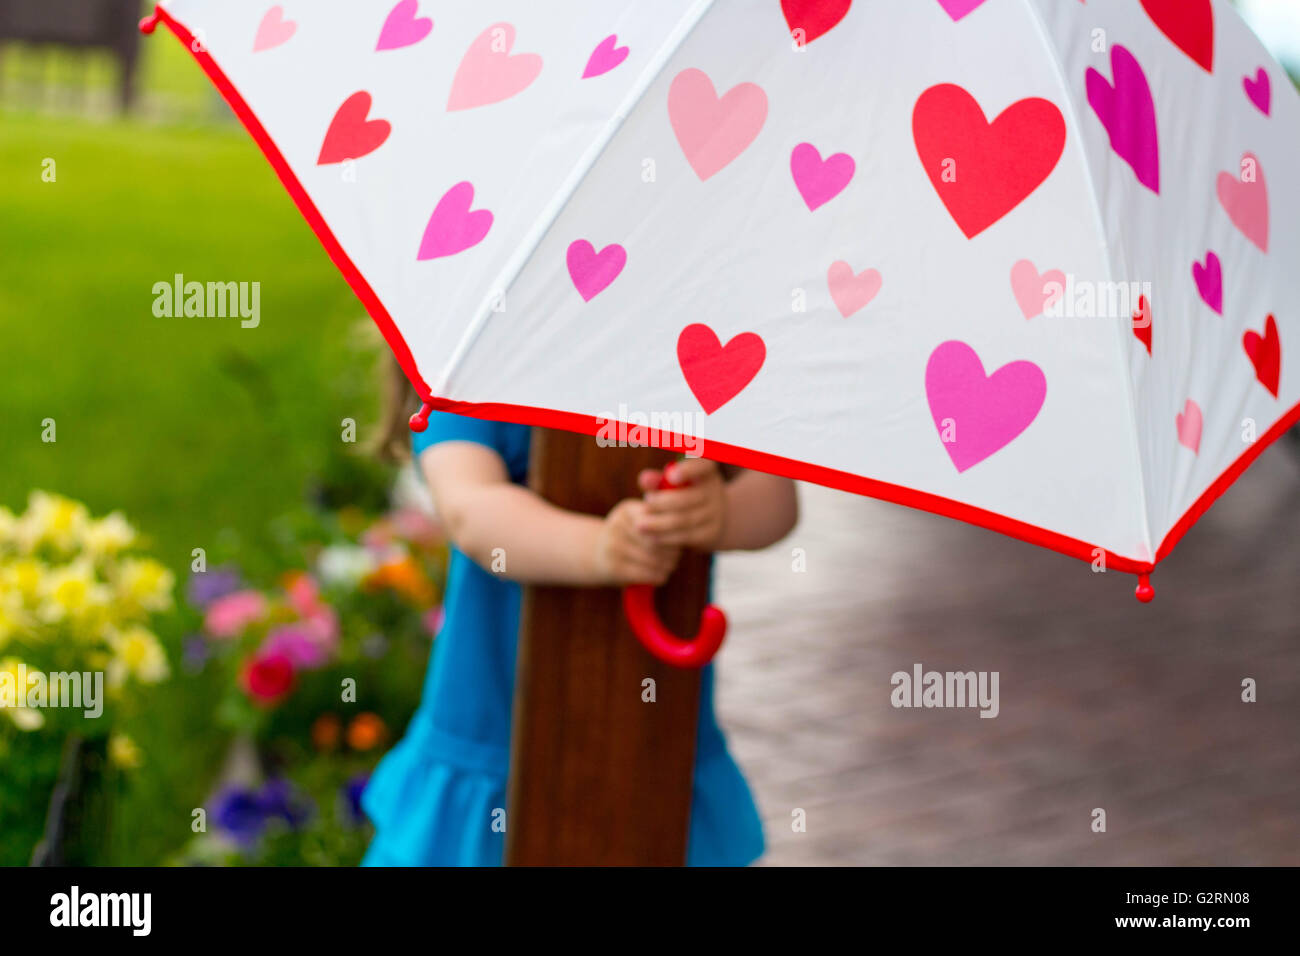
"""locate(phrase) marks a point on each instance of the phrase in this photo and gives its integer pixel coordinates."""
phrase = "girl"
(433, 796)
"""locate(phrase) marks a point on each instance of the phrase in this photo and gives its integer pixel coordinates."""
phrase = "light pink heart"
(403, 27)
(274, 30)
(1189, 422)
(1246, 201)
(1259, 89)
(819, 180)
(977, 415)
(711, 130)
(959, 8)
(605, 57)
(453, 227)
(1036, 293)
(849, 291)
(593, 271)
(489, 73)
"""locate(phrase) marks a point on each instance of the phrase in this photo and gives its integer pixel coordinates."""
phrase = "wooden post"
(597, 775)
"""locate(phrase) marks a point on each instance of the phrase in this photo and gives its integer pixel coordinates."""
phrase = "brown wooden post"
(597, 775)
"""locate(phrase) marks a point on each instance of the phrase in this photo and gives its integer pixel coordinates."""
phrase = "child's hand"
(689, 517)
(626, 556)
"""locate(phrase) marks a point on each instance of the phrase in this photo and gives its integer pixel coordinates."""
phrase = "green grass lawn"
(201, 431)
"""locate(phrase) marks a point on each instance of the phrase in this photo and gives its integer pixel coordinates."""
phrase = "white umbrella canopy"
(1026, 263)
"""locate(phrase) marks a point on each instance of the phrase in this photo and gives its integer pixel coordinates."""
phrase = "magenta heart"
(977, 415)
(1209, 281)
(593, 271)
(605, 57)
(403, 27)
(819, 180)
(1260, 90)
(1128, 112)
(959, 8)
(453, 227)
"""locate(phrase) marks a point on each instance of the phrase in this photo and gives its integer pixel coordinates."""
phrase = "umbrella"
(1024, 263)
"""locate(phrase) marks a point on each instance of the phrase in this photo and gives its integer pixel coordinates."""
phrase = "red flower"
(269, 677)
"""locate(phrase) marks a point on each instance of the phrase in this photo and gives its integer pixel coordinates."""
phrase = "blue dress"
(435, 797)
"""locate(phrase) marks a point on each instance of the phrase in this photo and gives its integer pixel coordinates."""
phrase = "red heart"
(1142, 322)
(1265, 353)
(813, 17)
(1189, 24)
(983, 170)
(351, 135)
(714, 372)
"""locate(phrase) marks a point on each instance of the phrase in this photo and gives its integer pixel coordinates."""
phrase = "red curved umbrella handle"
(658, 639)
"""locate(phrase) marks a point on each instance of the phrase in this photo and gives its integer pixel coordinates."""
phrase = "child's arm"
(484, 511)
(751, 511)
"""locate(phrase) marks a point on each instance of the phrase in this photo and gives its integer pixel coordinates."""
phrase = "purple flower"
(196, 653)
(350, 796)
(238, 811)
(244, 813)
(204, 587)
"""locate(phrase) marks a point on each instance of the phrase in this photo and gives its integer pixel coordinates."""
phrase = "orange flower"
(366, 731)
(405, 577)
(326, 731)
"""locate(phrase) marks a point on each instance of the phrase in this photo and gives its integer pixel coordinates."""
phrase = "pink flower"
(433, 620)
(304, 595)
(229, 616)
(305, 650)
(417, 527)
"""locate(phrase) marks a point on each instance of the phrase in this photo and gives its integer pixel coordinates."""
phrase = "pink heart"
(977, 415)
(1209, 281)
(1036, 293)
(488, 73)
(852, 292)
(273, 30)
(453, 228)
(403, 27)
(959, 8)
(1245, 200)
(713, 131)
(605, 57)
(819, 180)
(1189, 423)
(593, 271)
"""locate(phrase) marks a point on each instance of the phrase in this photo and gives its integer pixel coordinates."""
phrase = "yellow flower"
(52, 519)
(8, 527)
(72, 592)
(144, 584)
(13, 617)
(136, 654)
(124, 752)
(24, 718)
(109, 535)
(23, 577)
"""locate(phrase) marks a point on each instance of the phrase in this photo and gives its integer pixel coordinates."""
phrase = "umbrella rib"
(1099, 222)
(516, 263)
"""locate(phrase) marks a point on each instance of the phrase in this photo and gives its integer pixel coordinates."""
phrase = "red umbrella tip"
(149, 23)
(1145, 592)
(420, 420)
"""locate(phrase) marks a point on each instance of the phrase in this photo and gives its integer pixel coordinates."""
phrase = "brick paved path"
(1104, 702)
